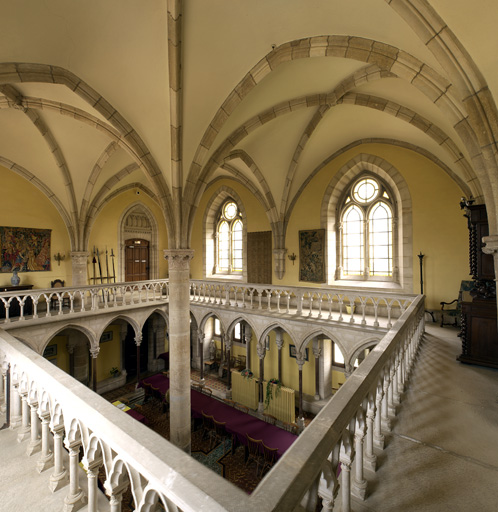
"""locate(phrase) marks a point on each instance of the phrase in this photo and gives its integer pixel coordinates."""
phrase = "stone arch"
(371, 342)
(137, 221)
(212, 208)
(336, 188)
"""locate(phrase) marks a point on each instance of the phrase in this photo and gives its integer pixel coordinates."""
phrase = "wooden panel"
(259, 257)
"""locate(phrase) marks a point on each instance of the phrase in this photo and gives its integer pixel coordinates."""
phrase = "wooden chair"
(240, 363)
(219, 434)
(241, 407)
(231, 403)
(454, 313)
(269, 457)
(54, 300)
(207, 427)
(207, 391)
(269, 418)
(254, 451)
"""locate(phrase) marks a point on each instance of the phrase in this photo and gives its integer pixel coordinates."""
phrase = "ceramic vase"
(15, 279)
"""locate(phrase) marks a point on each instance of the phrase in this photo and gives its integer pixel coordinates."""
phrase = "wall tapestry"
(312, 256)
(25, 249)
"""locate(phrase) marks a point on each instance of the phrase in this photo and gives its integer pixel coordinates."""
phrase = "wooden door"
(259, 257)
(136, 260)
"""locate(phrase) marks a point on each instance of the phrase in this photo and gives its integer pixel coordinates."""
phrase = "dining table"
(237, 423)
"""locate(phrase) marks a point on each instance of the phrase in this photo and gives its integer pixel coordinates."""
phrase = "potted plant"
(114, 371)
(247, 374)
(269, 391)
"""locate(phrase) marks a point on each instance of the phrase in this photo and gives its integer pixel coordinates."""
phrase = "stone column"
(79, 264)
(228, 342)
(3, 376)
(138, 342)
(76, 497)
(115, 502)
(92, 474)
(35, 441)
(200, 338)
(46, 459)
(317, 352)
(247, 339)
(261, 354)
(279, 339)
(300, 363)
(386, 422)
(491, 247)
(94, 353)
(359, 487)
(15, 416)
(70, 350)
(370, 459)
(179, 345)
(279, 259)
(378, 435)
(25, 430)
(58, 478)
(346, 457)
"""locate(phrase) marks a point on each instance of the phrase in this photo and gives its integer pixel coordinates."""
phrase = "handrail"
(305, 471)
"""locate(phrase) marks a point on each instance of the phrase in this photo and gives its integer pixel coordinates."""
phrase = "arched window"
(365, 231)
(229, 239)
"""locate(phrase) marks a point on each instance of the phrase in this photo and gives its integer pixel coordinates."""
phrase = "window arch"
(229, 233)
(366, 232)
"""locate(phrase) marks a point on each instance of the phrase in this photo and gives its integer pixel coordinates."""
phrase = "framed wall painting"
(312, 256)
(106, 336)
(50, 351)
(293, 352)
(24, 249)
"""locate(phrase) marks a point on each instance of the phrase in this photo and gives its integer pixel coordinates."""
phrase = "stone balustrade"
(344, 433)
(341, 305)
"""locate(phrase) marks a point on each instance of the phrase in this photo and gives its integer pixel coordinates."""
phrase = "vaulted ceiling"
(97, 97)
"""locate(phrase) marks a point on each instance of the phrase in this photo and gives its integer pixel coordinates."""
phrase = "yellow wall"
(110, 354)
(104, 232)
(25, 206)
(62, 357)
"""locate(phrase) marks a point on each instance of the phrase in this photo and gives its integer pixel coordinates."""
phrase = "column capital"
(178, 259)
(261, 349)
(79, 256)
(95, 352)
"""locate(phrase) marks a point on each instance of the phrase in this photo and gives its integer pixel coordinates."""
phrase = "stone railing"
(39, 303)
(135, 456)
(335, 304)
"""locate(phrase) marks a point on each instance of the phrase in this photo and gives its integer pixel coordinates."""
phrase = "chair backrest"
(231, 403)
(207, 421)
(242, 408)
(57, 283)
(207, 391)
(269, 454)
(219, 427)
(291, 427)
(253, 445)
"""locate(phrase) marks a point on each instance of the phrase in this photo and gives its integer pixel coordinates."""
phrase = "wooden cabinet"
(479, 317)
(479, 333)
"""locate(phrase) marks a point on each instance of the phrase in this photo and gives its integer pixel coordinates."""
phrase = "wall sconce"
(59, 257)
(292, 257)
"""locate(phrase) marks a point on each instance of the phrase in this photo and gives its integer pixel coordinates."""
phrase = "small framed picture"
(106, 336)
(50, 351)
(293, 352)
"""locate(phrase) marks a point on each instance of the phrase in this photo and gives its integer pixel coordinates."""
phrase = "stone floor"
(443, 451)
(441, 456)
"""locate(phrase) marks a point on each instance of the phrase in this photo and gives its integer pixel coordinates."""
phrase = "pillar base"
(300, 424)
(359, 489)
(58, 481)
(317, 397)
(15, 422)
(73, 503)
(261, 407)
(45, 462)
(386, 425)
(370, 463)
(379, 441)
(228, 394)
(202, 382)
(3, 408)
(33, 448)
(24, 434)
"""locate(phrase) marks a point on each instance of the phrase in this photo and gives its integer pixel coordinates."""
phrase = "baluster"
(379, 438)
(320, 300)
(58, 478)
(370, 459)
(46, 459)
(260, 294)
(359, 487)
(35, 441)
(341, 302)
(288, 303)
(299, 299)
(328, 486)
(389, 323)
(346, 457)
(268, 294)
(331, 302)
(35, 307)
(15, 417)
(310, 304)
(278, 300)
(386, 422)
(244, 290)
(363, 301)
(76, 497)
(25, 429)
(376, 312)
